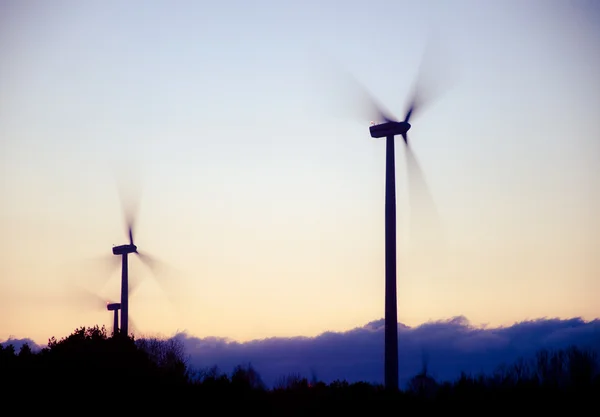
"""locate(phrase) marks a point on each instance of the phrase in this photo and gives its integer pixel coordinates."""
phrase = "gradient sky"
(261, 187)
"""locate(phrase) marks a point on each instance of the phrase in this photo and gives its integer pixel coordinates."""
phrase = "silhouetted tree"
(291, 381)
(168, 355)
(246, 377)
(422, 385)
(71, 370)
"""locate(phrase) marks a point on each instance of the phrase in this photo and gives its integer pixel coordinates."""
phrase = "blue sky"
(261, 185)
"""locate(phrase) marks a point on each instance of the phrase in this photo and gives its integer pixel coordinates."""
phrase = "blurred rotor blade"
(165, 276)
(405, 137)
(129, 188)
(85, 299)
(352, 99)
(425, 229)
(134, 282)
(430, 82)
(372, 109)
(93, 272)
(422, 205)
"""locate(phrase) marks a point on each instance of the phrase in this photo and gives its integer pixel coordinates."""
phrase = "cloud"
(18, 343)
(450, 346)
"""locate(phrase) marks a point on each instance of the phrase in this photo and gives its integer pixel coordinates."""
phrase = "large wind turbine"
(384, 125)
(388, 130)
(389, 127)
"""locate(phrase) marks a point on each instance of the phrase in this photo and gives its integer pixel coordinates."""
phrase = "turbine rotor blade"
(367, 107)
(164, 275)
(425, 228)
(352, 99)
(415, 103)
(84, 298)
(83, 301)
(129, 190)
(134, 283)
(371, 107)
(130, 210)
(428, 86)
(95, 272)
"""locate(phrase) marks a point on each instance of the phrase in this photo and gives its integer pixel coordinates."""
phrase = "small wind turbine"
(114, 307)
(91, 300)
(123, 251)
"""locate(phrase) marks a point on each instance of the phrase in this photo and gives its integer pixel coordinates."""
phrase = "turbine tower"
(123, 251)
(389, 130)
(114, 307)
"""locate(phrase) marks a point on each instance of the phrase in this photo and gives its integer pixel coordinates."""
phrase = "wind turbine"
(123, 251)
(388, 130)
(388, 127)
(104, 267)
(114, 307)
(384, 125)
(91, 300)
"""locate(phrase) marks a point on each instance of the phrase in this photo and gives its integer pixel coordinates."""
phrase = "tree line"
(91, 367)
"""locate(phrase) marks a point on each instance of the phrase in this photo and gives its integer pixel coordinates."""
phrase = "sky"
(259, 185)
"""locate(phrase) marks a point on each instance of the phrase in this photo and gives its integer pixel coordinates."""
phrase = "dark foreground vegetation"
(90, 371)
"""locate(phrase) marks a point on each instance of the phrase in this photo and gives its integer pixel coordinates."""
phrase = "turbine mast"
(391, 308)
(116, 323)
(124, 296)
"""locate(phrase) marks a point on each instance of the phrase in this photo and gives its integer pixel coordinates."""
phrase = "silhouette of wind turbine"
(124, 251)
(130, 212)
(88, 299)
(103, 267)
(389, 128)
(114, 307)
(384, 125)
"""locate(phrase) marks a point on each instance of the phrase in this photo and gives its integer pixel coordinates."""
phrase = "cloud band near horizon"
(448, 346)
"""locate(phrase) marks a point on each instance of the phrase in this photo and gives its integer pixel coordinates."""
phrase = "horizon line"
(379, 323)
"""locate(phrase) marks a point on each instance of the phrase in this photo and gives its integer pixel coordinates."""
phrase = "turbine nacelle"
(389, 128)
(113, 306)
(124, 249)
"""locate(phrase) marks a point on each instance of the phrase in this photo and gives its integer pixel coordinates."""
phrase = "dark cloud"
(449, 346)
